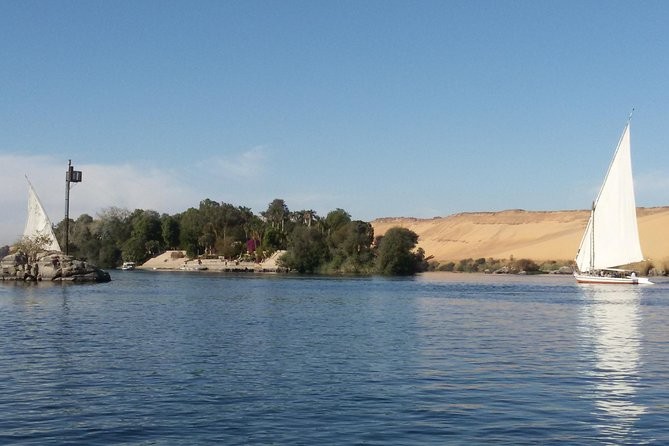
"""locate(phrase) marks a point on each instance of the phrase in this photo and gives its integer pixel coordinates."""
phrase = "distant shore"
(511, 234)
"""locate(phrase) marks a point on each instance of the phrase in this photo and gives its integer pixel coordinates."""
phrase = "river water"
(203, 358)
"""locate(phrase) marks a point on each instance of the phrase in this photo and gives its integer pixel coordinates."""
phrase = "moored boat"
(128, 266)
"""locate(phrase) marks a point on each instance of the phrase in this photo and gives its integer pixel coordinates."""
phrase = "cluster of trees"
(341, 245)
(313, 244)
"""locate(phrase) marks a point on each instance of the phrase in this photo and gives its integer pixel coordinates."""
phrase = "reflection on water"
(611, 319)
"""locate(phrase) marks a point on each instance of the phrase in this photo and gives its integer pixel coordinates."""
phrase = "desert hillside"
(553, 235)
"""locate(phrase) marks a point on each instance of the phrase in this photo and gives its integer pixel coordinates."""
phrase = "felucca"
(611, 238)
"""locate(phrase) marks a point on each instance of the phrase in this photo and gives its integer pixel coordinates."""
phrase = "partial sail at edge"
(38, 223)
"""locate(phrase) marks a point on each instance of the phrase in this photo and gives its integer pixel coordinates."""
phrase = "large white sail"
(38, 223)
(616, 235)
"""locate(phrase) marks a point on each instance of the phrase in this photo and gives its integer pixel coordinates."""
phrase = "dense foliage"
(334, 244)
(396, 256)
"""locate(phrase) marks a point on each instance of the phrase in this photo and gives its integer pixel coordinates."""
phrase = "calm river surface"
(203, 358)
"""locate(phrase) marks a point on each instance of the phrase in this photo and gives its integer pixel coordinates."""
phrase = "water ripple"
(208, 359)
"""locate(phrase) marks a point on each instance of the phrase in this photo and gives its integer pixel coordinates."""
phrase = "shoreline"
(177, 261)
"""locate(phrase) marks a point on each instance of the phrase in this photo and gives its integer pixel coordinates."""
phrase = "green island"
(309, 243)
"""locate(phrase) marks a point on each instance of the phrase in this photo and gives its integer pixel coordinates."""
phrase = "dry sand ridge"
(540, 236)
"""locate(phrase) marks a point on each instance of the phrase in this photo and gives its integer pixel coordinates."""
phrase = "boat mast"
(592, 238)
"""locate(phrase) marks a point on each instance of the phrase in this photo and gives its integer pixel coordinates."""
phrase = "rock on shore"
(52, 266)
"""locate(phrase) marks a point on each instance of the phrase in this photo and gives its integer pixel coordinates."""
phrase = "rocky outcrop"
(51, 266)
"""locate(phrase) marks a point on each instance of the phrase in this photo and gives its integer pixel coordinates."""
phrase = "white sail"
(616, 235)
(38, 223)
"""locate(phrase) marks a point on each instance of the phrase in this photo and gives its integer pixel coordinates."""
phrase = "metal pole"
(68, 175)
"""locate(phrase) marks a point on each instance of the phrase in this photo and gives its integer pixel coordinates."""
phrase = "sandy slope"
(552, 235)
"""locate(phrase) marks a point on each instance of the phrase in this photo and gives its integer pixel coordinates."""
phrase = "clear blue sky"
(382, 108)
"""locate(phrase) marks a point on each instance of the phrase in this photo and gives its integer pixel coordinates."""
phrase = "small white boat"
(611, 237)
(128, 266)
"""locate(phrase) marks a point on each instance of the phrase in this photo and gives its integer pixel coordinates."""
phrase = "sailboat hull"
(627, 280)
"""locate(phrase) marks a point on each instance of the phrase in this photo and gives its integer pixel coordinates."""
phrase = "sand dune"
(552, 235)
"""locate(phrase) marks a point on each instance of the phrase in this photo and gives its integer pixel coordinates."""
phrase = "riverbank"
(177, 261)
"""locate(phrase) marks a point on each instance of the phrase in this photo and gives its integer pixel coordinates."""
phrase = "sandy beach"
(177, 261)
(550, 235)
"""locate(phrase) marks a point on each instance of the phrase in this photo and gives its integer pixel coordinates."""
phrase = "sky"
(381, 108)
